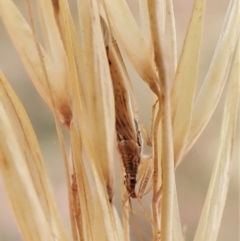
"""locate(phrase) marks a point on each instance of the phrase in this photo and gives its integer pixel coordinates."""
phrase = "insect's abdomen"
(131, 154)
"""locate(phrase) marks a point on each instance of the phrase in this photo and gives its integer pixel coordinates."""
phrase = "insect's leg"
(146, 134)
(145, 171)
(127, 209)
(145, 178)
(146, 215)
(126, 198)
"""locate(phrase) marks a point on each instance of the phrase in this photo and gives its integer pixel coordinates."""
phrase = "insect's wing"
(125, 125)
(124, 115)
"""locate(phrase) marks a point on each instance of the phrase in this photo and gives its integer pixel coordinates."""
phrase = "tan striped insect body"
(130, 152)
(128, 134)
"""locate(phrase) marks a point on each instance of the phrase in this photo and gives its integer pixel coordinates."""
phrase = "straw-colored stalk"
(72, 74)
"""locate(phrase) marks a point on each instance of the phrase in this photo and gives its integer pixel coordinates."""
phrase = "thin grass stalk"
(168, 177)
(145, 23)
(171, 16)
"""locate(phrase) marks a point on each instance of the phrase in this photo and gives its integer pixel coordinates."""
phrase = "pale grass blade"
(98, 224)
(51, 29)
(97, 127)
(97, 85)
(161, 9)
(183, 91)
(132, 41)
(94, 118)
(24, 173)
(211, 216)
(89, 85)
(217, 74)
(108, 215)
(42, 71)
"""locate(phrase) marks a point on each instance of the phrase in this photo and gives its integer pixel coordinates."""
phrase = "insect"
(130, 152)
(129, 139)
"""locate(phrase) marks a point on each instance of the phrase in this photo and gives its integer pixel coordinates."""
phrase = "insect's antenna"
(146, 215)
(126, 199)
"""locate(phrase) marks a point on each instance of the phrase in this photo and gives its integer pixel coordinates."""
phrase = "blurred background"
(192, 176)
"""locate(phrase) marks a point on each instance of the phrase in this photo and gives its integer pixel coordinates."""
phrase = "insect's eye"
(132, 180)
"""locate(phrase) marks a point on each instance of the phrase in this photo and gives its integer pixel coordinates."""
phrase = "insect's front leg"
(145, 172)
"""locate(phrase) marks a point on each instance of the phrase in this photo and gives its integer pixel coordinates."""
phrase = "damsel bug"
(128, 134)
(129, 139)
(130, 151)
